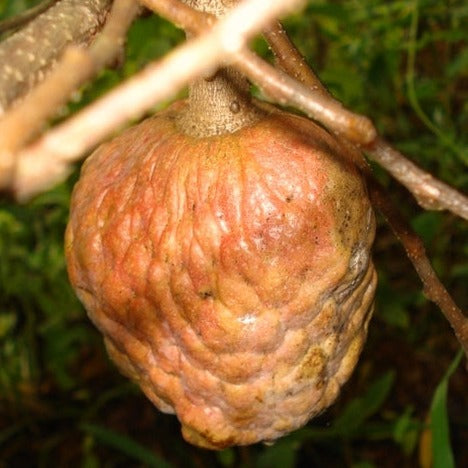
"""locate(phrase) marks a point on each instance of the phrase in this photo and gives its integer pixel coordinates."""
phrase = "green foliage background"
(405, 65)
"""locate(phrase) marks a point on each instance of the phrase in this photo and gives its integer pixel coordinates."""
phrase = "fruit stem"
(220, 103)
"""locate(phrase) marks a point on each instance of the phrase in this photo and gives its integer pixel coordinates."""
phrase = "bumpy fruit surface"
(230, 275)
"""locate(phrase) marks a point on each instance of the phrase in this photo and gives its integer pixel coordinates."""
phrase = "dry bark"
(27, 55)
(73, 69)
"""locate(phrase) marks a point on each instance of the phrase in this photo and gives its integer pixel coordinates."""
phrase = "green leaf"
(363, 407)
(441, 448)
(363, 464)
(90, 461)
(226, 457)
(406, 431)
(124, 445)
(427, 225)
(459, 64)
(282, 454)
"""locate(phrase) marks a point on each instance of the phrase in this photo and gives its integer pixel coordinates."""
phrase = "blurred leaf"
(61, 348)
(350, 422)
(9, 432)
(425, 448)
(124, 445)
(441, 447)
(7, 322)
(427, 225)
(281, 454)
(406, 432)
(148, 39)
(363, 464)
(90, 461)
(226, 457)
(335, 11)
(363, 407)
(395, 314)
(8, 8)
(459, 64)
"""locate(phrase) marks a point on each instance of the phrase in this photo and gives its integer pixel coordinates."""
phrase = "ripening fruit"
(230, 275)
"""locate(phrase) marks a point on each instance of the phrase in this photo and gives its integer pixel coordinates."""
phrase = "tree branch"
(76, 67)
(313, 102)
(316, 103)
(433, 288)
(47, 161)
(287, 57)
(27, 55)
(430, 193)
(20, 20)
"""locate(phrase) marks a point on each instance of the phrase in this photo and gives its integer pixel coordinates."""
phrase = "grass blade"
(441, 447)
(124, 445)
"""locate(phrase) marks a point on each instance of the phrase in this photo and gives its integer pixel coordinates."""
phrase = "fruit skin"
(230, 275)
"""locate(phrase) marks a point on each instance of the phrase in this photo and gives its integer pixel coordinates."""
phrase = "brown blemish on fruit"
(312, 365)
(207, 294)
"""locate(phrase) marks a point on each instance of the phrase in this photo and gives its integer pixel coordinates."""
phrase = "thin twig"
(23, 18)
(287, 91)
(181, 15)
(433, 288)
(430, 193)
(77, 66)
(47, 161)
(289, 59)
